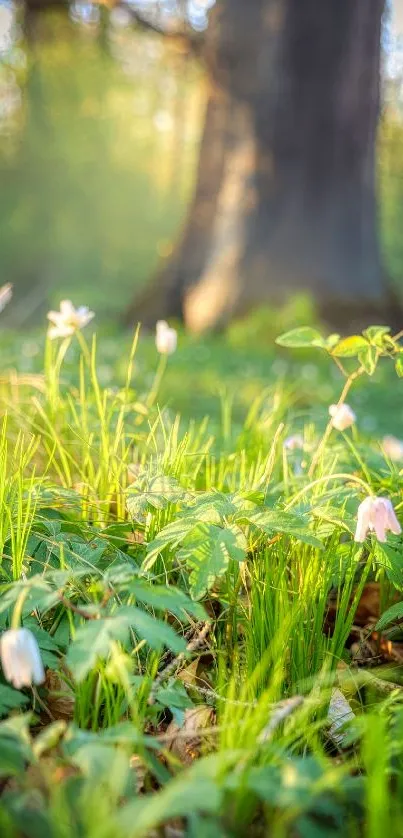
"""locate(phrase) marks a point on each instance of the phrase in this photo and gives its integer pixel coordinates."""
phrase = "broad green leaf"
(395, 612)
(12, 756)
(174, 695)
(156, 632)
(212, 507)
(376, 334)
(49, 737)
(273, 520)
(184, 795)
(350, 347)
(10, 699)
(368, 358)
(167, 599)
(336, 517)
(170, 536)
(207, 551)
(15, 746)
(399, 365)
(331, 341)
(38, 595)
(155, 492)
(391, 560)
(94, 639)
(302, 337)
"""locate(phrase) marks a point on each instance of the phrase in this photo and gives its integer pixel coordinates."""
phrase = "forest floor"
(221, 656)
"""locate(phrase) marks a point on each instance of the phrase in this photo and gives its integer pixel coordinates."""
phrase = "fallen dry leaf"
(186, 740)
(60, 698)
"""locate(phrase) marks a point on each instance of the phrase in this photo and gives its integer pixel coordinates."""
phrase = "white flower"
(165, 338)
(6, 292)
(393, 447)
(294, 442)
(376, 515)
(68, 320)
(342, 416)
(21, 658)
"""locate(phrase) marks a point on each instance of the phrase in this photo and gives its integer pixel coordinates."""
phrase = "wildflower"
(6, 292)
(294, 443)
(165, 338)
(342, 416)
(21, 658)
(68, 320)
(376, 515)
(393, 447)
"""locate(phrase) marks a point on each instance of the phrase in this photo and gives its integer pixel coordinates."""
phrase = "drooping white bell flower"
(376, 515)
(6, 292)
(295, 442)
(68, 320)
(166, 339)
(20, 658)
(342, 416)
(393, 447)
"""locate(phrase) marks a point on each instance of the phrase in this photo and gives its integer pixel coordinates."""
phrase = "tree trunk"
(285, 199)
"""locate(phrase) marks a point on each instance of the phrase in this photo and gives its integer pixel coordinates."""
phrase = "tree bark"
(285, 199)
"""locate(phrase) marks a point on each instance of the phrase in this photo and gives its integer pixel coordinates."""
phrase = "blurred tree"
(285, 197)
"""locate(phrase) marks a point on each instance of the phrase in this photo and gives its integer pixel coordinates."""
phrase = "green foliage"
(195, 607)
(300, 338)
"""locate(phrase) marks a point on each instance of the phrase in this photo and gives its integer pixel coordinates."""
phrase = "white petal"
(379, 518)
(393, 523)
(54, 316)
(6, 292)
(67, 309)
(21, 658)
(393, 447)
(363, 520)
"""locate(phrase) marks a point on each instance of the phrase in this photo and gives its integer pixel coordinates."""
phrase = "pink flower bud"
(393, 448)
(294, 443)
(342, 416)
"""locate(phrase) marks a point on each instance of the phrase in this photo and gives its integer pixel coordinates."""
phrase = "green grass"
(192, 585)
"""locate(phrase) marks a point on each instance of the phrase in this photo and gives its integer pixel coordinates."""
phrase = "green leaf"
(156, 632)
(331, 341)
(376, 334)
(350, 347)
(94, 640)
(15, 749)
(167, 599)
(207, 551)
(302, 337)
(183, 796)
(395, 612)
(12, 757)
(274, 520)
(174, 695)
(170, 536)
(368, 359)
(49, 737)
(155, 492)
(212, 507)
(391, 560)
(10, 699)
(399, 365)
